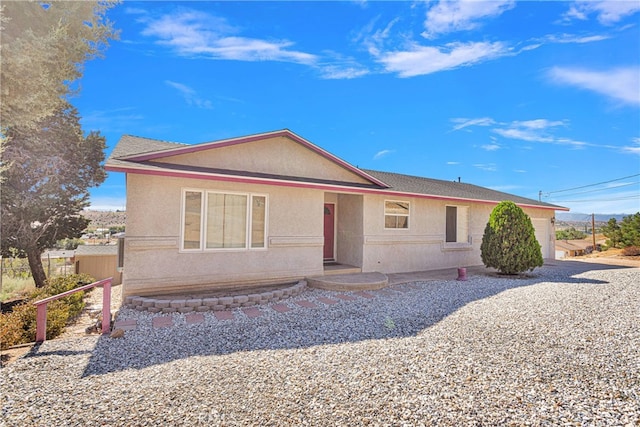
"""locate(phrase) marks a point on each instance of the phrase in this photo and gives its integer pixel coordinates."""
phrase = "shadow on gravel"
(34, 352)
(404, 313)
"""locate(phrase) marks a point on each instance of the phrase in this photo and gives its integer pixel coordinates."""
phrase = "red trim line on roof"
(241, 140)
(296, 184)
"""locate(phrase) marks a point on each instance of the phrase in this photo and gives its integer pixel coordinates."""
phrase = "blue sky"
(520, 97)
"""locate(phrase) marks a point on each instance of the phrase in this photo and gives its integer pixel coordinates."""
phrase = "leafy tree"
(630, 230)
(44, 46)
(47, 174)
(68, 244)
(612, 231)
(509, 243)
(570, 234)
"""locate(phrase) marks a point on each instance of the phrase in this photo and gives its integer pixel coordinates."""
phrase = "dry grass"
(15, 287)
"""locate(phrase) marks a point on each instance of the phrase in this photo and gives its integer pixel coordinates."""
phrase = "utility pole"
(540, 195)
(593, 230)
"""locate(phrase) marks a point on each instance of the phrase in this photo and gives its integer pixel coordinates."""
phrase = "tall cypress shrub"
(509, 243)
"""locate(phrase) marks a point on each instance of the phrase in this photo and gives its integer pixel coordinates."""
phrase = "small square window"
(396, 214)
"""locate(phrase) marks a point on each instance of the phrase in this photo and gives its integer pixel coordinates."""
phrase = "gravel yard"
(561, 347)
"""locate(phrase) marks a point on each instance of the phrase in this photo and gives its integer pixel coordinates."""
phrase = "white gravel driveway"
(558, 348)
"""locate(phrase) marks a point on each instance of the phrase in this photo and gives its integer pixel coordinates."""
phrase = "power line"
(602, 189)
(592, 185)
(597, 200)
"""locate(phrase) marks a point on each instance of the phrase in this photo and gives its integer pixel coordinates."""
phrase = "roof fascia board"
(241, 140)
(298, 184)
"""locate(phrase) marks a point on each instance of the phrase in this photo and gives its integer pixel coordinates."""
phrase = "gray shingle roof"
(96, 250)
(453, 189)
(132, 145)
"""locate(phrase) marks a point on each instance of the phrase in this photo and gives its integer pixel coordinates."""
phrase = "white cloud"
(462, 123)
(334, 72)
(338, 66)
(635, 148)
(193, 33)
(537, 131)
(488, 167)
(572, 38)
(421, 60)
(447, 16)
(608, 12)
(539, 123)
(190, 95)
(453, 163)
(622, 84)
(382, 153)
(373, 40)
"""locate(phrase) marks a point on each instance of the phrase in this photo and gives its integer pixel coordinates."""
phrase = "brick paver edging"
(187, 305)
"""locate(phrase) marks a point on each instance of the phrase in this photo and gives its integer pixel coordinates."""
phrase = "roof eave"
(303, 184)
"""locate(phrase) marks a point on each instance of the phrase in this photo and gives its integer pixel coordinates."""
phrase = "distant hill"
(105, 219)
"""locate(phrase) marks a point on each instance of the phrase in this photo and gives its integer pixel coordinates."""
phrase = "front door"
(329, 230)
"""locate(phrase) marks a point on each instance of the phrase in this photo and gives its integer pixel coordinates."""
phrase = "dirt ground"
(94, 301)
(612, 256)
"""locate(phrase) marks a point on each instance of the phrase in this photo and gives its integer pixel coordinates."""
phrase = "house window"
(258, 221)
(457, 224)
(396, 214)
(192, 220)
(223, 220)
(226, 221)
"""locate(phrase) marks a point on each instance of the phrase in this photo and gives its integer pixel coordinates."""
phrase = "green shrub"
(509, 243)
(19, 325)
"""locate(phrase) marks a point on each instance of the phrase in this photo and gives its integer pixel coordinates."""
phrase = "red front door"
(329, 230)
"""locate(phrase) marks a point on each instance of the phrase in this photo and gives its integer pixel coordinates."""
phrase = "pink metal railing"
(41, 315)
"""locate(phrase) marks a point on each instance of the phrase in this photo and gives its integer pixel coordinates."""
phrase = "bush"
(509, 243)
(570, 234)
(19, 325)
(631, 251)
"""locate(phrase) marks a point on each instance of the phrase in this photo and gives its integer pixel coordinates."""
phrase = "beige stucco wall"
(422, 246)
(349, 234)
(154, 263)
(153, 260)
(99, 267)
(279, 156)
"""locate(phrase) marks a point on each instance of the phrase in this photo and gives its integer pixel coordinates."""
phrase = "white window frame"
(460, 218)
(183, 215)
(408, 215)
(203, 220)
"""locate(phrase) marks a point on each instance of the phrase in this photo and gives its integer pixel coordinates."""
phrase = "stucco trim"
(284, 241)
(456, 246)
(397, 239)
(146, 243)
